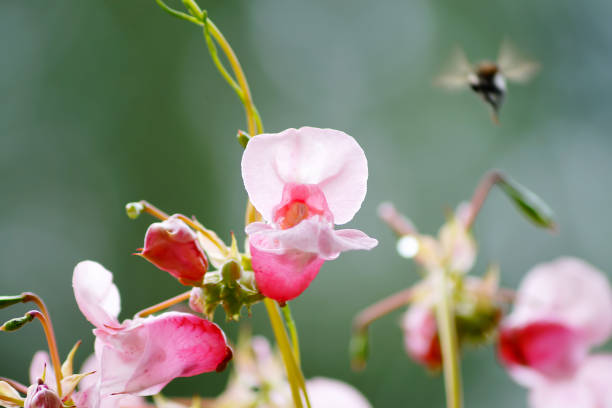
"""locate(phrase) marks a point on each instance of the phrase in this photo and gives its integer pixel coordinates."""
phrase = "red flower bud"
(173, 247)
(40, 396)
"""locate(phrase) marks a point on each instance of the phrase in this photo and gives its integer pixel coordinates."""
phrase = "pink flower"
(589, 387)
(330, 393)
(421, 335)
(562, 309)
(302, 181)
(142, 355)
(173, 247)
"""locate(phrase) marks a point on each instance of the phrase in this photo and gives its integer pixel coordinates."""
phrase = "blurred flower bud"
(421, 335)
(457, 245)
(173, 247)
(359, 349)
(41, 396)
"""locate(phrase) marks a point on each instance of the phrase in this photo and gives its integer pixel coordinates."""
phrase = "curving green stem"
(448, 340)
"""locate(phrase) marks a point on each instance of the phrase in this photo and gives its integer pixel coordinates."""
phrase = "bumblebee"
(488, 79)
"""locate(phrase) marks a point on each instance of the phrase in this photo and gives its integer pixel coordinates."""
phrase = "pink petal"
(568, 291)
(588, 388)
(540, 351)
(173, 247)
(41, 360)
(312, 235)
(330, 393)
(328, 158)
(563, 395)
(284, 276)
(146, 354)
(96, 294)
(90, 364)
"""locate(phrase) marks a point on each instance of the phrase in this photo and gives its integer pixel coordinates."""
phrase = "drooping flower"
(562, 310)
(302, 181)
(421, 339)
(173, 247)
(142, 355)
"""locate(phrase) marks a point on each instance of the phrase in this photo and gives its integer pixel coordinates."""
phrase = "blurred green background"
(105, 102)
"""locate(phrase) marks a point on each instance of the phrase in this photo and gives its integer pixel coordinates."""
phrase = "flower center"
(296, 212)
(300, 202)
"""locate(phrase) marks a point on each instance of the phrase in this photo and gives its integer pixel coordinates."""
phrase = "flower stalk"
(164, 305)
(45, 319)
(294, 373)
(448, 339)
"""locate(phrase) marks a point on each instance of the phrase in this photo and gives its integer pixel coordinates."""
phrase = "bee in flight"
(488, 79)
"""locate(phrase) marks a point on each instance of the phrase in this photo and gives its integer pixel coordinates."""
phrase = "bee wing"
(513, 65)
(456, 73)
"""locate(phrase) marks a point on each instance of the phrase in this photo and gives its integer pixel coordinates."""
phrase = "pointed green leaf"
(532, 206)
(243, 138)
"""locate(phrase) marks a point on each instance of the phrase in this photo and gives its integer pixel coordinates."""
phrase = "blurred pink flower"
(142, 355)
(562, 309)
(330, 393)
(302, 181)
(421, 335)
(173, 247)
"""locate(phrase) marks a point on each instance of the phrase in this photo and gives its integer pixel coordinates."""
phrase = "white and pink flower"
(563, 309)
(303, 182)
(142, 355)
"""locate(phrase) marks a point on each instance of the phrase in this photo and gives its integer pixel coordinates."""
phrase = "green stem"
(212, 50)
(177, 14)
(283, 344)
(295, 341)
(448, 341)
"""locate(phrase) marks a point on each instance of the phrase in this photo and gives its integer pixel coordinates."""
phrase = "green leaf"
(532, 206)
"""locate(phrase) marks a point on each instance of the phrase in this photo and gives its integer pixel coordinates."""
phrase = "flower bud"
(173, 247)
(421, 335)
(41, 396)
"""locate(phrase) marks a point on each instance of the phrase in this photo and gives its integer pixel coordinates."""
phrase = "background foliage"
(105, 102)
